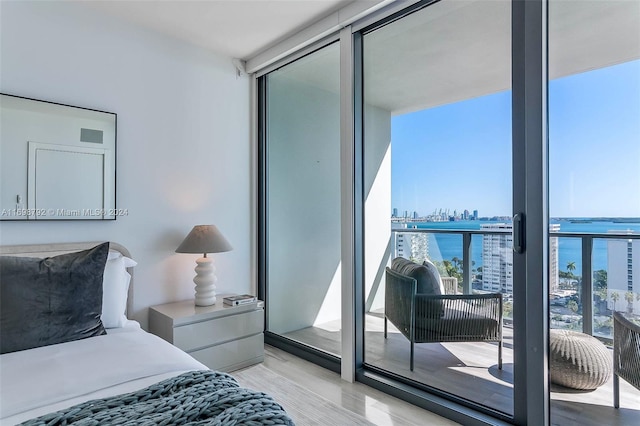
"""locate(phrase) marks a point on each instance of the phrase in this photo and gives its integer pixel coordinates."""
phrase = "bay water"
(448, 246)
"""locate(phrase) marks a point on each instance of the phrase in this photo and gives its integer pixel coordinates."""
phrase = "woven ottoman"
(577, 360)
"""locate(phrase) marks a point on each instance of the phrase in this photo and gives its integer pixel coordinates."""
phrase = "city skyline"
(475, 215)
(442, 213)
(459, 155)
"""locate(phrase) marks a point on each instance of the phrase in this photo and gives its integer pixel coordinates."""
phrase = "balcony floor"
(470, 370)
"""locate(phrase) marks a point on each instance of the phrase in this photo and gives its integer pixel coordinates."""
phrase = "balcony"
(469, 370)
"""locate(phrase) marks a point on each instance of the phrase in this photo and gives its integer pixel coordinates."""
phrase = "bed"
(118, 373)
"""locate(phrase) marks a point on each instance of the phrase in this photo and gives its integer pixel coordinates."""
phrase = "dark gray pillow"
(52, 300)
(427, 282)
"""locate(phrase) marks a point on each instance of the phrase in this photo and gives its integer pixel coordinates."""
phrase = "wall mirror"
(57, 162)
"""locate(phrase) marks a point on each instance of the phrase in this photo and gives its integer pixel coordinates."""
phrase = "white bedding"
(42, 380)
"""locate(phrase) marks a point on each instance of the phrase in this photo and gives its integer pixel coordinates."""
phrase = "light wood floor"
(360, 404)
(470, 370)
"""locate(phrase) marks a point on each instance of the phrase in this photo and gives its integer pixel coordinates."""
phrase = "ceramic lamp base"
(205, 280)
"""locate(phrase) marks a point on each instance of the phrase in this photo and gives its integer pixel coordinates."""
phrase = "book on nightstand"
(240, 299)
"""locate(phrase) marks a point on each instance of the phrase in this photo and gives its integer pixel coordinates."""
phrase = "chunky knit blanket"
(193, 398)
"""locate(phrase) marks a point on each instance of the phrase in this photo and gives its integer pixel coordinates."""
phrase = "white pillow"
(113, 255)
(433, 269)
(115, 289)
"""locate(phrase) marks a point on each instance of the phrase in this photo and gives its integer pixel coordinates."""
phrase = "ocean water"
(448, 246)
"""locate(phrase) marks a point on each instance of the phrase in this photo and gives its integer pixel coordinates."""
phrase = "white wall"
(377, 206)
(183, 138)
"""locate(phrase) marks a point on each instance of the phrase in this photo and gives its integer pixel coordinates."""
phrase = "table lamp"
(204, 239)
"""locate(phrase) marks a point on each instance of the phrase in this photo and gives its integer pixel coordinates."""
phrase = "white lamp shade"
(204, 239)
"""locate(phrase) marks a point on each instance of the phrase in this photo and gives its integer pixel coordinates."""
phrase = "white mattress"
(43, 380)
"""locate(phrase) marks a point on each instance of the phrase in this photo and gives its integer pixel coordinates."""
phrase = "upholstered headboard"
(54, 249)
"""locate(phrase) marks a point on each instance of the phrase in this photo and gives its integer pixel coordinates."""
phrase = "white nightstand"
(223, 338)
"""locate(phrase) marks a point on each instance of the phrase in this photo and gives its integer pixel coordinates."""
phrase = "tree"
(448, 267)
(507, 309)
(600, 279)
(440, 267)
(628, 296)
(571, 266)
(602, 293)
(456, 262)
(451, 269)
(564, 274)
(615, 296)
(573, 305)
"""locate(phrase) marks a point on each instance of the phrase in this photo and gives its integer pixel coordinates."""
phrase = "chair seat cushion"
(455, 326)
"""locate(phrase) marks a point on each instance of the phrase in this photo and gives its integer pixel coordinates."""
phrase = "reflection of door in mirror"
(53, 182)
(56, 161)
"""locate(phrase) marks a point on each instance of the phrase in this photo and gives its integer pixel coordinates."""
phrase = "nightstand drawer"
(224, 357)
(205, 333)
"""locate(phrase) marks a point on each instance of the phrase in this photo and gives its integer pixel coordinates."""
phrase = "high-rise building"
(395, 212)
(415, 215)
(410, 245)
(465, 214)
(554, 279)
(497, 258)
(623, 272)
(402, 247)
(475, 215)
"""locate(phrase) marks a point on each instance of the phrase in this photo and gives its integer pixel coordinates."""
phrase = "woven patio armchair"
(433, 318)
(626, 354)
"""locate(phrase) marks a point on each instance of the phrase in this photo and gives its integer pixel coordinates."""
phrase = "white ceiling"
(461, 49)
(236, 28)
(451, 50)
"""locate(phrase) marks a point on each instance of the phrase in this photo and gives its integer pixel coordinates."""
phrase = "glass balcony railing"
(583, 267)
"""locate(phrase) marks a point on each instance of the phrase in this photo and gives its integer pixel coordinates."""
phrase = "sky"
(458, 156)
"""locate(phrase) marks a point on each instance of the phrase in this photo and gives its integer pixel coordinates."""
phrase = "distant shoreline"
(599, 219)
(444, 244)
(508, 219)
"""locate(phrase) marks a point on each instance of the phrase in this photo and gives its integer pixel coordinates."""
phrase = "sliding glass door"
(594, 157)
(301, 202)
(437, 191)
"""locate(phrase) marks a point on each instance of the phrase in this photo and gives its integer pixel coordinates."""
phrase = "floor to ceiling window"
(302, 201)
(437, 188)
(594, 191)
(453, 131)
